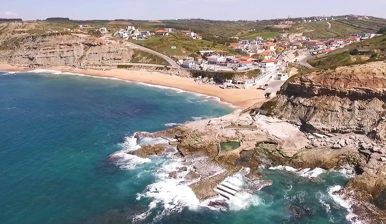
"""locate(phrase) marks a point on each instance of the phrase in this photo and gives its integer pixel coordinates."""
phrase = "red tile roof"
(246, 58)
(269, 61)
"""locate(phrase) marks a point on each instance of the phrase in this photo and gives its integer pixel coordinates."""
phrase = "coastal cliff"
(71, 50)
(349, 102)
(344, 100)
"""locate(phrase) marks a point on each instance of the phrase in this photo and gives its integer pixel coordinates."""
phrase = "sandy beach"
(239, 97)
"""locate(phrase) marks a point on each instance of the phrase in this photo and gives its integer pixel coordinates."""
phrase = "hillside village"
(272, 55)
(274, 58)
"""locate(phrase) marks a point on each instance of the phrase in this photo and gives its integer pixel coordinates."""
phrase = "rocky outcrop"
(344, 100)
(343, 113)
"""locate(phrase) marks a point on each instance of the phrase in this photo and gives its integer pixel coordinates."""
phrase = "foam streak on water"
(307, 172)
(335, 194)
(171, 194)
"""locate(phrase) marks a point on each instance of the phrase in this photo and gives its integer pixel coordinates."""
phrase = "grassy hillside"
(340, 28)
(321, 30)
(147, 58)
(362, 52)
(221, 31)
(253, 34)
(185, 46)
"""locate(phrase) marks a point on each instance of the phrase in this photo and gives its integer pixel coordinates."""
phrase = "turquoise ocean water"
(57, 132)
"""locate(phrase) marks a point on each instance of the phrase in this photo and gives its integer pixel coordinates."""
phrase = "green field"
(184, 45)
(374, 50)
(340, 28)
(252, 35)
(147, 58)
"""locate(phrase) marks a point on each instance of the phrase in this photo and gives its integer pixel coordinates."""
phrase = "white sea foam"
(124, 160)
(311, 173)
(242, 199)
(171, 124)
(128, 161)
(8, 73)
(46, 71)
(322, 198)
(345, 203)
(130, 144)
(172, 194)
(307, 172)
(285, 168)
(152, 141)
(347, 171)
(200, 118)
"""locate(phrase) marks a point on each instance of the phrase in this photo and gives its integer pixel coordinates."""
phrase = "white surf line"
(215, 98)
(345, 203)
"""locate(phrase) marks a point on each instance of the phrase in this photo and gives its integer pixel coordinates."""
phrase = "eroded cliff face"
(345, 100)
(79, 51)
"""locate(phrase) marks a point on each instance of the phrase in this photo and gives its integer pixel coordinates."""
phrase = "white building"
(103, 30)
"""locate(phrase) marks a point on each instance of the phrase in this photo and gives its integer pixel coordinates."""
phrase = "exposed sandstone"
(80, 51)
(345, 100)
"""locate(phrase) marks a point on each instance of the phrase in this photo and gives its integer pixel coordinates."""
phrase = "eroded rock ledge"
(267, 141)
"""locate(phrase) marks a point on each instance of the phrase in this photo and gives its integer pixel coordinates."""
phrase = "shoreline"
(242, 98)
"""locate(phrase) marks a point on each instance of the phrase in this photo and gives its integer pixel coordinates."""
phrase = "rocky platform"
(329, 119)
(267, 141)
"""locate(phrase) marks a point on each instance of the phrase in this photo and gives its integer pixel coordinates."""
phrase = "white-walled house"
(268, 63)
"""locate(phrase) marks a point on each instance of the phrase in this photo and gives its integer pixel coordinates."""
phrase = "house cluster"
(192, 34)
(211, 60)
(259, 48)
(132, 33)
(323, 47)
(266, 55)
(272, 49)
(292, 21)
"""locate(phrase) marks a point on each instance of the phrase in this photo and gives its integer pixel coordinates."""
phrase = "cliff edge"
(348, 99)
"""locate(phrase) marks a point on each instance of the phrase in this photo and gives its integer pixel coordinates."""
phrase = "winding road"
(303, 60)
(148, 50)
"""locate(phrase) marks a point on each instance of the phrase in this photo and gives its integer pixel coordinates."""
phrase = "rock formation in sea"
(332, 119)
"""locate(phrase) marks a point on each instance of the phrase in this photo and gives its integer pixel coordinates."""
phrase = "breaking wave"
(124, 160)
(171, 124)
(344, 202)
(172, 194)
(307, 172)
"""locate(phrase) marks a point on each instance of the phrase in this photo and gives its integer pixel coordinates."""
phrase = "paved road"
(303, 60)
(166, 58)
